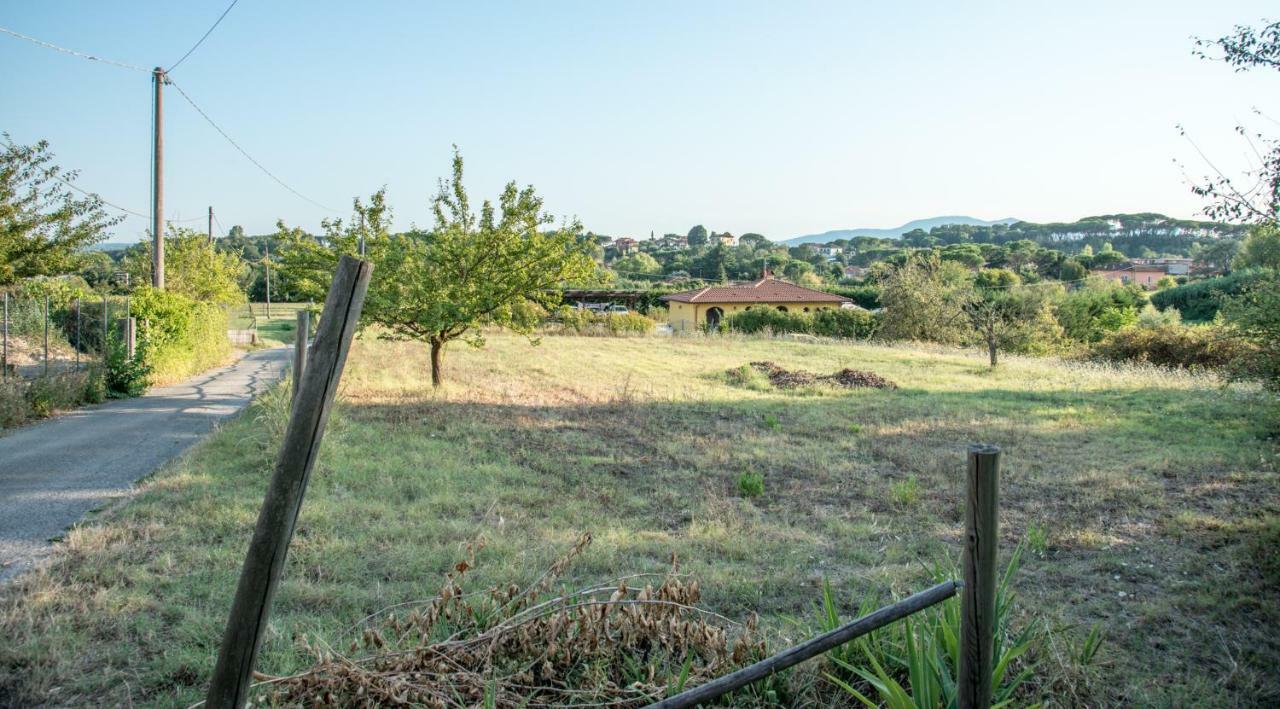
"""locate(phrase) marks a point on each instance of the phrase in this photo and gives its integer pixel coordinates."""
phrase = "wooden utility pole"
(361, 235)
(978, 602)
(157, 182)
(251, 609)
(211, 226)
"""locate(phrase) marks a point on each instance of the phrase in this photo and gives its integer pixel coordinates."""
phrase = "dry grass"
(1153, 495)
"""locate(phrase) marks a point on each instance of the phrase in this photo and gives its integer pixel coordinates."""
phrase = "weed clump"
(751, 484)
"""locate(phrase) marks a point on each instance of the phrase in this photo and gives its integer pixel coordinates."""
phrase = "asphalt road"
(55, 471)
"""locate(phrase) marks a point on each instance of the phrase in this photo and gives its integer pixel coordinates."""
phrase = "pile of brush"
(617, 645)
(847, 378)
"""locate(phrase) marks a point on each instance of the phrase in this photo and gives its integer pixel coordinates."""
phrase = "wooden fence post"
(128, 335)
(978, 602)
(270, 544)
(4, 358)
(302, 331)
(46, 335)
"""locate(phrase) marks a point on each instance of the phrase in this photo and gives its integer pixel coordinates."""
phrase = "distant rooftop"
(765, 290)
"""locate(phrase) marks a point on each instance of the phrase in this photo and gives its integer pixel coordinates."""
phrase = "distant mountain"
(110, 246)
(925, 224)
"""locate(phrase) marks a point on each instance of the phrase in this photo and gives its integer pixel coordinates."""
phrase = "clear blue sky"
(779, 118)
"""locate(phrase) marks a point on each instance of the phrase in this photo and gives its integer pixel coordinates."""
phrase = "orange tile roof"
(765, 290)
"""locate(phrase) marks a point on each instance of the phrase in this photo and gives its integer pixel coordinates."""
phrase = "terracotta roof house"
(1143, 274)
(691, 310)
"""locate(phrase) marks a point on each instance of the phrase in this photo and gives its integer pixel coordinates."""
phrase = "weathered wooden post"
(301, 334)
(77, 334)
(270, 544)
(106, 355)
(127, 336)
(4, 357)
(978, 602)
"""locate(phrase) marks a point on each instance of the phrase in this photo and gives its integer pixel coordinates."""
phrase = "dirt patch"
(846, 378)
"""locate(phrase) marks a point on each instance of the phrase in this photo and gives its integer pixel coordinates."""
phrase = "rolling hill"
(893, 233)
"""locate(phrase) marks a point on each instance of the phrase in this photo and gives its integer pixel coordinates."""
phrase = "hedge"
(1199, 301)
(184, 337)
(1181, 346)
(837, 322)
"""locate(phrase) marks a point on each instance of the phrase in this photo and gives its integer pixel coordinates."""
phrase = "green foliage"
(44, 226)
(1199, 301)
(572, 321)
(193, 267)
(1015, 319)
(905, 492)
(641, 263)
(866, 296)
(126, 377)
(1037, 539)
(925, 299)
(1088, 313)
(771, 422)
(182, 337)
(698, 236)
(1171, 345)
(914, 664)
(24, 400)
(835, 322)
(751, 484)
(1261, 248)
(1254, 317)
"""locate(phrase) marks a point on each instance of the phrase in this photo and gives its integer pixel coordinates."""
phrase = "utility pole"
(157, 185)
(362, 235)
(210, 225)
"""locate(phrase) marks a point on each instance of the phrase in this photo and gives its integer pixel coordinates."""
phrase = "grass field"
(1148, 500)
(272, 331)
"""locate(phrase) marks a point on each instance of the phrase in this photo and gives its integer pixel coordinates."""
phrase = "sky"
(777, 118)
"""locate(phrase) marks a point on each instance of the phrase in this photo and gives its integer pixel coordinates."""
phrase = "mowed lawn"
(1151, 499)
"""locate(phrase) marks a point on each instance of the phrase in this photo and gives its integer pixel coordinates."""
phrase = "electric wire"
(72, 52)
(203, 38)
(243, 152)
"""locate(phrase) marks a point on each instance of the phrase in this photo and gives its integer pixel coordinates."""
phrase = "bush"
(1183, 346)
(183, 337)
(25, 400)
(1199, 301)
(572, 321)
(125, 377)
(865, 296)
(751, 484)
(842, 322)
(1088, 314)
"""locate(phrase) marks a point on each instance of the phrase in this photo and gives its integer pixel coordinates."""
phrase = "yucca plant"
(915, 663)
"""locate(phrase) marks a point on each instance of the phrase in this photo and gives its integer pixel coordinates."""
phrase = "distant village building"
(690, 310)
(1136, 272)
(726, 239)
(854, 272)
(674, 241)
(625, 245)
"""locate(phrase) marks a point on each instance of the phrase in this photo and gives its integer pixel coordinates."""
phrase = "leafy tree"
(1072, 270)
(43, 225)
(637, 263)
(753, 240)
(1088, 313)
(1244, 49)
(925, 299)
(996, 278)
(236, 231)
(1013, 319)
(473, 270)
(698, 236)
(1255, 317)
(1261, 248)
(192, 267)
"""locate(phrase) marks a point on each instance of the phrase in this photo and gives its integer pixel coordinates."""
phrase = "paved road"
(53, 472)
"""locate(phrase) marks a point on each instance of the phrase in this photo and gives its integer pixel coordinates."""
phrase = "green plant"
(126, 377)
(751, 484)
(855, 428)
(1184, 346)
(905, 492)
(771, 422)
(1037, 538)
(915, 663)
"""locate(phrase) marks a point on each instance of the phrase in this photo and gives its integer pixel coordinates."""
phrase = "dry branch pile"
(847, 378)
(614, 645)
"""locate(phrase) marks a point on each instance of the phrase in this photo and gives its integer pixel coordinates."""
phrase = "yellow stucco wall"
(688, 317)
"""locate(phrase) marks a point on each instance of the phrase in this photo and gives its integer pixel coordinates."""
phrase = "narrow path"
(54, 472)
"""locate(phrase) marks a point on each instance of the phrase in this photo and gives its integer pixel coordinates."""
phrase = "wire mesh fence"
(43, 335)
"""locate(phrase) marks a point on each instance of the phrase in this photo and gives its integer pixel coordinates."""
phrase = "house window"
(783, 308)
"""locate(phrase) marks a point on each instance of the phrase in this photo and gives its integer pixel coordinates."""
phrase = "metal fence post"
(46, 335)
(4, 363)
(105, 355)
(78, 343)
(302, 332)
(127, 336)
(978, 602)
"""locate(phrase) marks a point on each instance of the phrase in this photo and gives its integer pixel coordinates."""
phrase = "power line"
(73, 52)
(206, 35)
(247, 156)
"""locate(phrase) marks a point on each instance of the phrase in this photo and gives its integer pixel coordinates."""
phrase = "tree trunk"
(437, 355)
(991, 349)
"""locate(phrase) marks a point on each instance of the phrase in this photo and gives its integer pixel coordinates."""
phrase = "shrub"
(183, 337)
(573, 321)
(125, 377)
(841, 322)
(1089, 313)
(905, 492)
(1183, 346)
(1199, 301)
(24, 400)
(865, 296)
